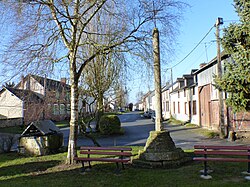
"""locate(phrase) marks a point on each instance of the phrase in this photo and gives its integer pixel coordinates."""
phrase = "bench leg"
(90, 165)
(82, 169)
(248, 167)
(117, 171)
(205, 168)
(248, 170)
(205, 174)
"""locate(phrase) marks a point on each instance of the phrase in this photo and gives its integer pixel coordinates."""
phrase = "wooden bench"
(221, 154)
(106, 154)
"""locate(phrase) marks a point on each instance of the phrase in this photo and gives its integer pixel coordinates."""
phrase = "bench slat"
(222, 147)
(236, 153)
(221, 159)
(106, 153)
(102, 159)
(106, 148)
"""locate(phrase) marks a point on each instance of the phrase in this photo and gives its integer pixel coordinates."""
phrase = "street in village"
(137, 131)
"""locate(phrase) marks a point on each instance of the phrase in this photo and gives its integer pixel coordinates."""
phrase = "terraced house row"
(193, 98)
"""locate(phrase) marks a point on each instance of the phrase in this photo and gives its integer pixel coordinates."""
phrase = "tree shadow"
(27, 168)
(66, 175)
(4, 157)
(182, 129)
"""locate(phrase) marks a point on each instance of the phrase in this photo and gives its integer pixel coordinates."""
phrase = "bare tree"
(103, 72)
(49, 32)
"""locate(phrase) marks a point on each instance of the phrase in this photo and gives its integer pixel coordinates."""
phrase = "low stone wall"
(11, 122)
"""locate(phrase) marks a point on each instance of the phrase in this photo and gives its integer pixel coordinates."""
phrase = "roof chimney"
(22, 82)
(63, 80)
(202, 65)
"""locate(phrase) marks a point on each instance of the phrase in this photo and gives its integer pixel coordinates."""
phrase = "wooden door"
(205, 99)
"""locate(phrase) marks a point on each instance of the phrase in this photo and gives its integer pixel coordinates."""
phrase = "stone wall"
(11, 122)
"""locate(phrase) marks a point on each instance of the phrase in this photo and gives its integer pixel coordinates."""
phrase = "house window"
(167, 106)
(185, 108)
(174, 107)
(57, 95)
(194, 107)
(193, 90)
(62, 109)
(179, 107)
(164, 107)
(67, 97)
(68, 108)
(178, 94)
(55, 109)
(184, 92)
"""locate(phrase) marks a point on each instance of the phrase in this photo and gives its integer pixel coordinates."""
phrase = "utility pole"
(219, 22)
(157, 76)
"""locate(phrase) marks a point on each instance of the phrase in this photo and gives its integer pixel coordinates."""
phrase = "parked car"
(148, 114)
(153, 116)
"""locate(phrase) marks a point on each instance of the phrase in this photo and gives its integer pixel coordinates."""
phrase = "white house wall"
(10, 105)
(207, 77)
(153, 103)
(32, 84)
(165, 108)
(195, 97)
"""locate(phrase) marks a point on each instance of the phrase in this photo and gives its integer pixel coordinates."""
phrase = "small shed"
(40, 138)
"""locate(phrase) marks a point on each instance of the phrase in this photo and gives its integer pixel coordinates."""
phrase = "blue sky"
(197, 20)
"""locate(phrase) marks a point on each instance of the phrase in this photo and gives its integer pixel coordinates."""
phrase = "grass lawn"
(50, 170)
(62, 124)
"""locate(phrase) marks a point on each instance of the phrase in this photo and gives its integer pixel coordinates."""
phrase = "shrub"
(110, 124)
(6, 143)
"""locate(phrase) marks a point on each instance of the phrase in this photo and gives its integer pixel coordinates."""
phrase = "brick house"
(35, 98)
(209, 103)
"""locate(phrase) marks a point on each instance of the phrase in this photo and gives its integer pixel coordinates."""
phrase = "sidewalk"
(187, 137)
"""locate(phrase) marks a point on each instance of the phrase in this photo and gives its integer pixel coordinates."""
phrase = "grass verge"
(50, 170)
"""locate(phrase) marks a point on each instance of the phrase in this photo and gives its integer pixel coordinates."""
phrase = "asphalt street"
(137, 131)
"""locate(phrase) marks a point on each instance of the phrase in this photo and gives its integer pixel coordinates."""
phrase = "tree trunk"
(74, 115)
(100, 110)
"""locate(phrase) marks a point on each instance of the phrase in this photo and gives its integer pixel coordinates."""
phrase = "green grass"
(174, 121)
(212, 134)
(190, 125)
(62, 124)
(50, 170)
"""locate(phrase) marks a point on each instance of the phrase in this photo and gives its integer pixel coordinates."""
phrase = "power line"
(193, 48)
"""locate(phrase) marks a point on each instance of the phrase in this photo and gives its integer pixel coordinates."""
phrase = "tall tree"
(103, 72)
(98, 77)
(236, 43)
(49, 32)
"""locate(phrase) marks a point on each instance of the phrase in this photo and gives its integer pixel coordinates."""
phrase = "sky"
(197, 21)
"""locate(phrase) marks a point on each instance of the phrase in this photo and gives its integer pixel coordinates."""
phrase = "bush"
(6, 143)
(110, 124)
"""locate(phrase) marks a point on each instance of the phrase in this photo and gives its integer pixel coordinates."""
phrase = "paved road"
(137, 131)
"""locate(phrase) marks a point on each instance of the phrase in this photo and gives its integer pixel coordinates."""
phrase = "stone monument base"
(160, 152)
